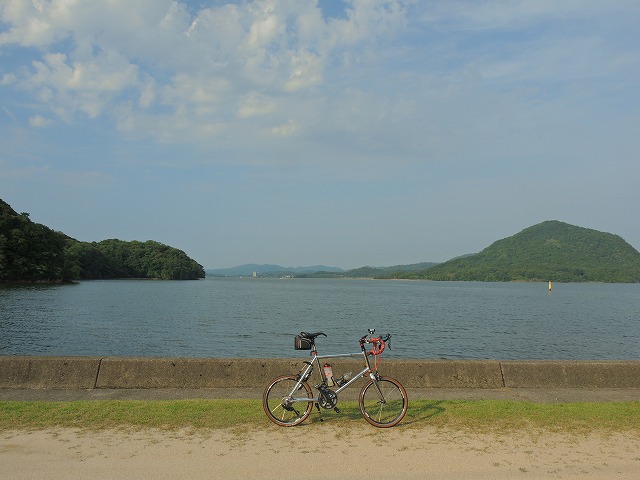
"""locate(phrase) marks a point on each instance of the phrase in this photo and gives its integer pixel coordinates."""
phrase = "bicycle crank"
(328, 399)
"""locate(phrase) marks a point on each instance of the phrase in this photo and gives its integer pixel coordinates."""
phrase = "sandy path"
(323, 451)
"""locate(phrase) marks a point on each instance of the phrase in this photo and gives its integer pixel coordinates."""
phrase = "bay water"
(258, 318)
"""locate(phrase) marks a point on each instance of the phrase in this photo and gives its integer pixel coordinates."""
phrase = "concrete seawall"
(28, 372)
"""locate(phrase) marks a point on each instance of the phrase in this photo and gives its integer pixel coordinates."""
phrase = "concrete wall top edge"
(303, 358)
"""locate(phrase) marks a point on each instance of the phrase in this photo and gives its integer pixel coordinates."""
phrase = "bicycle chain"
(328, 399)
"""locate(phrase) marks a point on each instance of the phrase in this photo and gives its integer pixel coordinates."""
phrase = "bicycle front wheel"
(383, 405)
(285, 404)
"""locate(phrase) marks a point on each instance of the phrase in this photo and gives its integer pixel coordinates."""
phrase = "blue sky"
(344, 133)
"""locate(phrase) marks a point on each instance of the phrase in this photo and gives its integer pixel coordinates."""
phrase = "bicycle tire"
(388, 413)
(281, 411)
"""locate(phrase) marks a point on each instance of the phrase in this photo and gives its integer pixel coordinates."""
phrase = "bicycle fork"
(374, 379)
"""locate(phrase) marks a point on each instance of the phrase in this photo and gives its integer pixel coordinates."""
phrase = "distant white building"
(255, 274)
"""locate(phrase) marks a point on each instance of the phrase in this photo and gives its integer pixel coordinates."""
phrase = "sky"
(342, 133)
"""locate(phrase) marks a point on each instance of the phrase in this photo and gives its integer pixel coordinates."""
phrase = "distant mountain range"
(268, 270)
(551, 250)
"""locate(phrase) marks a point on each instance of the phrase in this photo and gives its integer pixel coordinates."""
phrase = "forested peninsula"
(551, 250)
(31, 252)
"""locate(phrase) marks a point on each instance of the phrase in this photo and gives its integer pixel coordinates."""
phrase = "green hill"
(551, 250)
(28, 251)
(31, 252)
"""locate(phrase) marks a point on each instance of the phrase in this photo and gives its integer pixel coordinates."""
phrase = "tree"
(33, 252)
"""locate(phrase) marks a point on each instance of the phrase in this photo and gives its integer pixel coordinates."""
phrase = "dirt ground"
(326, 451)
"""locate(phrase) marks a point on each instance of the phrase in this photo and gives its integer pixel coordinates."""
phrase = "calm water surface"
(219, 317)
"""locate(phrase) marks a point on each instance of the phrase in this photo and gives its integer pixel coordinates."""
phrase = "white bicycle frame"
(308, 371)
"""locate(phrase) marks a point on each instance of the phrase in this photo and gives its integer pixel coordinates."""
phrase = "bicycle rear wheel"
(384, 410)
(283, 405)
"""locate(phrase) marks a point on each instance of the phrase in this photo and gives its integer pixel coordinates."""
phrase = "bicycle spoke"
(388, 410)
(278, 404)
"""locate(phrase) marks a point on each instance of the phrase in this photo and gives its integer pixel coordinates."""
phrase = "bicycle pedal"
(337, 410)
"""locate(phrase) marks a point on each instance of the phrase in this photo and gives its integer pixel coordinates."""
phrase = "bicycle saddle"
(312, 336)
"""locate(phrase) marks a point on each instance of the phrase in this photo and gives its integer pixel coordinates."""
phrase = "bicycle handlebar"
(379, 343)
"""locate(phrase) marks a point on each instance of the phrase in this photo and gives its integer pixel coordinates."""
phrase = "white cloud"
(98, 56)
(28, 27)
(147, 93)
(84, 86)
(39, 121)
(256, 105)
(8, 79)
(305, 71)
(284, 130)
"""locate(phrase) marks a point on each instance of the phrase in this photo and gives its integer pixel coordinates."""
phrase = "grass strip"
(496, 415)
(476, 415)
(117, 413)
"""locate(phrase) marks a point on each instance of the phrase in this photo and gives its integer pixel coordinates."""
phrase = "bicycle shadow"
(418, 411)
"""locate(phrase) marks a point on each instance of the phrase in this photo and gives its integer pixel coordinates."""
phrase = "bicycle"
(288, 400)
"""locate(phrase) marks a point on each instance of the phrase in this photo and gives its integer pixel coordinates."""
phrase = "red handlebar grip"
(378, 346)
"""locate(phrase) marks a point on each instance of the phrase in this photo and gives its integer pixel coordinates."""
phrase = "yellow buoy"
(550, 285)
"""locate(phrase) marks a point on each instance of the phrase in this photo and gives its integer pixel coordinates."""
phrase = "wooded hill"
(31, 252)
(551, 250)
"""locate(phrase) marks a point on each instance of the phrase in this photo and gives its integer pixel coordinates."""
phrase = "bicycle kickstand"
(319, 412)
